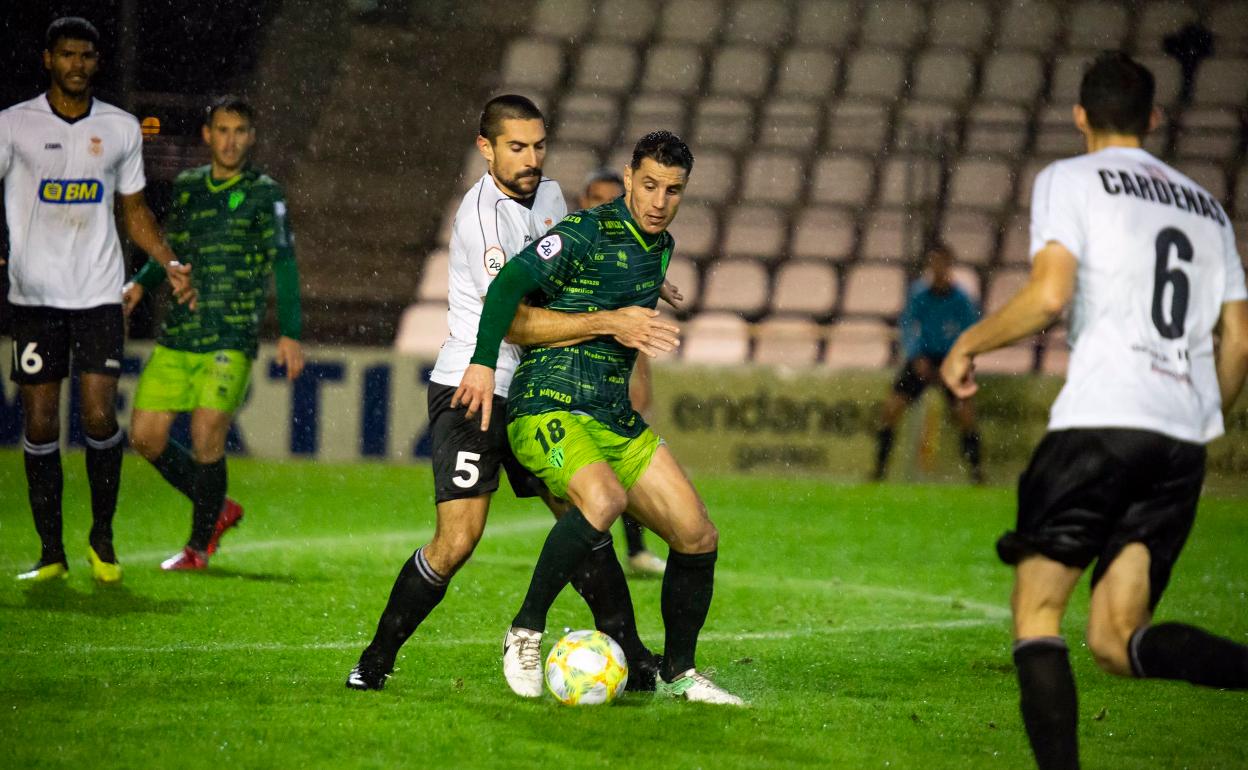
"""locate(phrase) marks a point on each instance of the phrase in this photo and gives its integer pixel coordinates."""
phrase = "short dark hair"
(939, 247)
(664, 148)
(604, 174)
(506, 107)
(230, 103)
(72, 28)
(1117, 93)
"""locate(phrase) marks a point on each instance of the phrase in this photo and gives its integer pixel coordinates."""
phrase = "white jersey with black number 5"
(490, 227)
(1157, 260)
(60, 176)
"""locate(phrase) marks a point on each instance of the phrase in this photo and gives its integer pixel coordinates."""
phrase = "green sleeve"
(289, 311)
(150, 276)
(275, 227)
(177, 233)
(560, 255)
(513, 283)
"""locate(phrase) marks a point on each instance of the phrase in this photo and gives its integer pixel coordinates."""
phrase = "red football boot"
(186, 559)
(231, 514)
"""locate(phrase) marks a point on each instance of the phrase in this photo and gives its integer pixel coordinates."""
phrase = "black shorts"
(46, 338)
(465, 460)
(910, 385)
(1089, 492)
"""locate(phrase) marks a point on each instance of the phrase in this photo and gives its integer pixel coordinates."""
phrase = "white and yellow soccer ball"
(586, 668)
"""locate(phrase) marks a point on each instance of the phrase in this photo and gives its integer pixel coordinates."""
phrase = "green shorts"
(181, 381)
(556, 445)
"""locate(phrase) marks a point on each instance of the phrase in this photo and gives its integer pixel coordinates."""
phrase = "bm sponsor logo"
(71, 191)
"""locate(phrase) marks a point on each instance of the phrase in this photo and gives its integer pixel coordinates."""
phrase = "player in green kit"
(229, 222)
(572, 424)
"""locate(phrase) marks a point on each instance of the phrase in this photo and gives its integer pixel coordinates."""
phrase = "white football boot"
(695, 687)
(647, 563)
(522, 661)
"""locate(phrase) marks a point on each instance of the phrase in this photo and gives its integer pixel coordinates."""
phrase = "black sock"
(970, 447)
(567, 545)
(883, 448)
(44, 482)
(104, 477)
(1178, 651)
(632, 535)
(1048, 701)
(417, 590)
(600, 581)
(208, 497)
(688, 585)
(178, 468)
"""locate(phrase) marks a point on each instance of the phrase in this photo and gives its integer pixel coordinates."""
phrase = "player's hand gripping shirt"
(490, 227)
(60, 177)
(1157, 260)
(597, 259)
(234, 234)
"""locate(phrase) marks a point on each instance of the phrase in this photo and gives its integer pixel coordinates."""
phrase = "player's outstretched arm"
(635, 327)
(1232, 363)
(1033, 308)
(142, 228)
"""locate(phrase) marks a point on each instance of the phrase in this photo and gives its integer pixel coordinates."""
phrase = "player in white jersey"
(509, 207)
(63, 156)
(1146, 259)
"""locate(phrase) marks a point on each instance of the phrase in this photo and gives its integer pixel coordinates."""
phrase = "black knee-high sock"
(1178, 651)
(567, 545)
(883, 448)
(44, 483)
(688, 585)
(970, 447)
(600, 581)
(104, 477)
(632, 535)
(178, 468)
(417, 590)
(1048, 701)
(208, 497)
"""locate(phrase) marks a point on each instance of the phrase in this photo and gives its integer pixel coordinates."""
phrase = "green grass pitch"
(867, 626)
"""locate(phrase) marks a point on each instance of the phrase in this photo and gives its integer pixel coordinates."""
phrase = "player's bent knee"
(605, 504)
(702, 538)
(1109, 648)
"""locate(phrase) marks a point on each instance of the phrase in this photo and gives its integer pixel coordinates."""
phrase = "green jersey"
(234, 235)
(598, 259)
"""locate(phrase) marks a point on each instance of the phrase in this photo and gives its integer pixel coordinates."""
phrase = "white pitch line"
(89, 649)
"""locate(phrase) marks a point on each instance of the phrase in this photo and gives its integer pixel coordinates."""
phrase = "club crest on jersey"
(96, 147)
(549, 246)
(71, 191)
(236, 199)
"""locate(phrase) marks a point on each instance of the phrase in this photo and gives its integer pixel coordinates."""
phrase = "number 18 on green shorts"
(556, 445)
(182, 381)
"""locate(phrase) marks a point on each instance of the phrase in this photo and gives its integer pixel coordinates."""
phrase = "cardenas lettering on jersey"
(1157, 189)
(71, 191)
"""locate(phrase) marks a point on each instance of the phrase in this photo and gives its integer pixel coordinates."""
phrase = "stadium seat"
(587, 118)
(736, 285)
(1209, 132)
(1096, 26)
(1056, 351)
(1230, 19)
(648, 112)
(435, 277)
(891, 235)
(1208, 175)
(762, 22)
(714, 175)
(1159, 18)
(1056, 134)
(471, 169)
(792, 124)
(942, 75)
(826, 23)
(690, 21)
(1016, 246)
(683, 274)
(1028, 24)
(569, 165)
(722, 122)
(805, 287)
(531, 64)
(996, 128)
(1222, 82)
(891, 23)
(1003, 284)
(720, 339)
(1027, 178)
(873, 290)
(741, 71)
(422, 329)
(1067, 74)
(1019, 358)
(789, 342)
(971, 234)
(856, 124)
(1013, 77)
(981, 183)
(919, 121)
(874, 74)
(448, 222)
(772, 177)
(909, 179)
(967, 279)
(962, 24)
(859, 344)
(569, 17)
(1167, 76)
(842, 179)
(694, 230)
(605, 68)
(756, 232)
(675, 68)
(823, 233)
(626, 20)
(807, 72)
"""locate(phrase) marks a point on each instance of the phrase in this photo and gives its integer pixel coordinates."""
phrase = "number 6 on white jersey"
(464, 462)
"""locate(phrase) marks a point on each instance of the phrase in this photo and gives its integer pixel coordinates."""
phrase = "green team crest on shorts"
(555, 458)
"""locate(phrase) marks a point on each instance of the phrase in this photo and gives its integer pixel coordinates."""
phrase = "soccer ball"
(586, 668)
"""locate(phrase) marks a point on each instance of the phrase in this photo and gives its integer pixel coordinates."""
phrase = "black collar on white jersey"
(66, 118)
